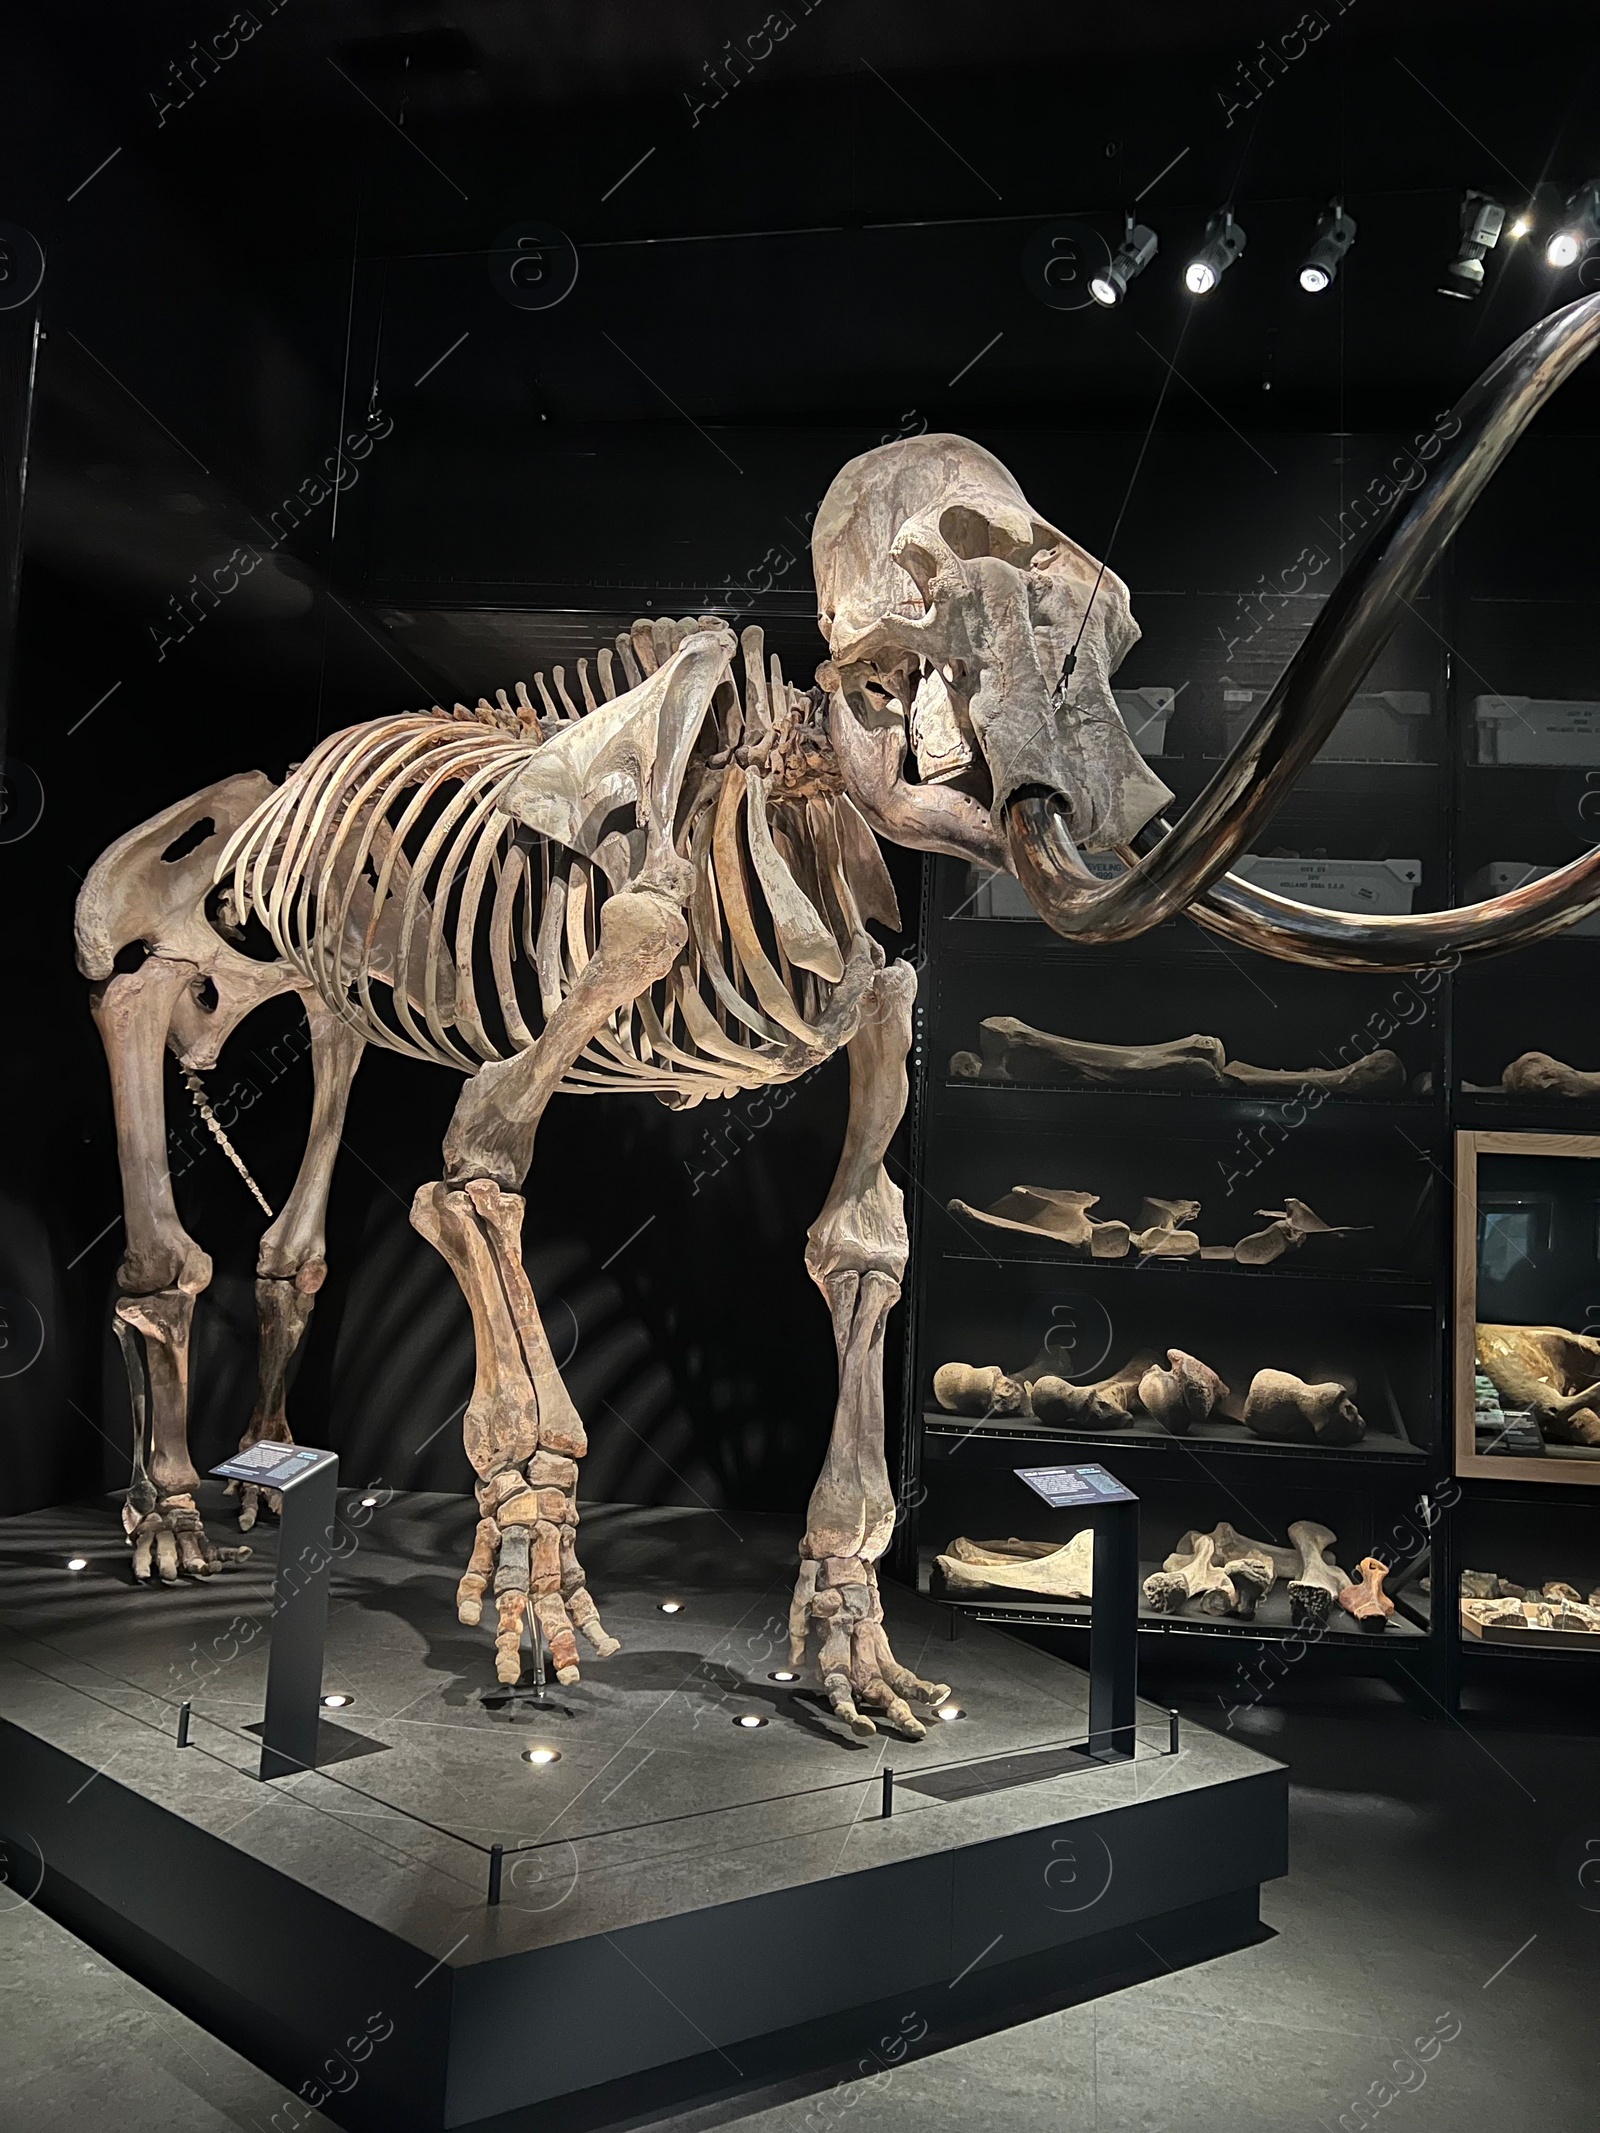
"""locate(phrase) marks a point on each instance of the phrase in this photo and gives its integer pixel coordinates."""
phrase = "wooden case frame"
(1581, 1473)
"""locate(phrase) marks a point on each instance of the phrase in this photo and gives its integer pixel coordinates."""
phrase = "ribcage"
(389, 874)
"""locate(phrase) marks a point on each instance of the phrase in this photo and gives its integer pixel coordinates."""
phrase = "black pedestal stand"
(308, 1481)
(1113, 1513)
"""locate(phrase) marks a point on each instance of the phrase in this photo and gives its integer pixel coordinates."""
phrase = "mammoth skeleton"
(667, 888)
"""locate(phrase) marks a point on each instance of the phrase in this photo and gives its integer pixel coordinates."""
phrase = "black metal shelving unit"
(1380, 1307)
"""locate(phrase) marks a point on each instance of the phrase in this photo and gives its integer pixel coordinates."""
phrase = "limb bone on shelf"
(1012, 1050)
(1161, 1229)
(1279, 1406)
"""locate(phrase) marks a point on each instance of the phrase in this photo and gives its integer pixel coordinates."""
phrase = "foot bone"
(839, 1597)
(526, 1544)
(169, 1537)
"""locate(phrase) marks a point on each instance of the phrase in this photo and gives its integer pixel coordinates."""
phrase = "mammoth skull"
(961, 621)
(964, 627)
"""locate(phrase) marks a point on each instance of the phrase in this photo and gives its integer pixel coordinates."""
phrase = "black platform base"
(713, 1906)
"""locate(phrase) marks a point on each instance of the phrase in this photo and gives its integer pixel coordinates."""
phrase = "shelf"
(1031, 1438)
(1544, 1643)
(1397, 1292)
(1510, 1113)
(1272, 1621)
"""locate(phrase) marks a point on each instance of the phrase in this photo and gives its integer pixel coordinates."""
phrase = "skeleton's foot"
(253, 1500)
(840, 1598)
(526, 1546)
(169, 1538)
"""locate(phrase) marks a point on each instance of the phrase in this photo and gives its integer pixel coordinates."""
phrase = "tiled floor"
(1434, 1896)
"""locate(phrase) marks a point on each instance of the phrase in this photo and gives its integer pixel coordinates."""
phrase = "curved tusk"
(1336, 940)
(1308, 701)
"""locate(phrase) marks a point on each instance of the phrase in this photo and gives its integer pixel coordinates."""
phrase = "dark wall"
(305, 247)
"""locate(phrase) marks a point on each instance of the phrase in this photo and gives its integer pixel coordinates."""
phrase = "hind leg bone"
(290, 1266)
(163, 1270)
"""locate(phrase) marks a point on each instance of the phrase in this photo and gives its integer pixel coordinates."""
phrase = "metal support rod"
(497, 1853)
(1172, 1733)
(184, 1710)
(888, 1794)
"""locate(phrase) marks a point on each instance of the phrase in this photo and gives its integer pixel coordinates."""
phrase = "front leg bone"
(856, 1254)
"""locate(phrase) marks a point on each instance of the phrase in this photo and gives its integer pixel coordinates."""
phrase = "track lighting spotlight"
(1580, 227)
(1336, 233)
(1139, 246)
(1224, 241)
(1482, 220)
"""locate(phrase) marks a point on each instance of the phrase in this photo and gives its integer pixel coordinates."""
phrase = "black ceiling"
(250, 250)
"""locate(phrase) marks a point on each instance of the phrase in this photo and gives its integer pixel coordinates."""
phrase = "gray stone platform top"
(426, 1777)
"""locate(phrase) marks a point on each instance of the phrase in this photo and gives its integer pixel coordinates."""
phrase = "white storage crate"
(1380, 726)
(1146, 713)
(1003, 896)
(1378, 888)
(1503, 874)
(1536, 729)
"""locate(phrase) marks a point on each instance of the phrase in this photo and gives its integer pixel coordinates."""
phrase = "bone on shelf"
(1223, 1572)
(1538, 1074)
(1011, 1050)
(1365, 1600)
(1278, 1406)
(1161, 1230)
(1497, 1610)
(1552, 1373)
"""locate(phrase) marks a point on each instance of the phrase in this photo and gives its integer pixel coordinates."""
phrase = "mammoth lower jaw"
(953, 822)
(923, 818)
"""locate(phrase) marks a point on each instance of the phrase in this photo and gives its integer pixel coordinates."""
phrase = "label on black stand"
(1071, 1488)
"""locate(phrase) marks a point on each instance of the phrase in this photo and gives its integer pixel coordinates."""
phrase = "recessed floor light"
(77, 1562)
(367, 1502)
(541, 1756)
(948, 1711)
(749, 1720)
(671, 1607)
(783, 1674)
(337, 1700)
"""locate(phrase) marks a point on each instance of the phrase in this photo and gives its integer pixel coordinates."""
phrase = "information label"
(1067, 1488)
(271, 1466)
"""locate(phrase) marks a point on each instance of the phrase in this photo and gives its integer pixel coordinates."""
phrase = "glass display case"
(1527, 1355)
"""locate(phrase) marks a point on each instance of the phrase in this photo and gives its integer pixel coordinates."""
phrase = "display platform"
(710, 1901)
